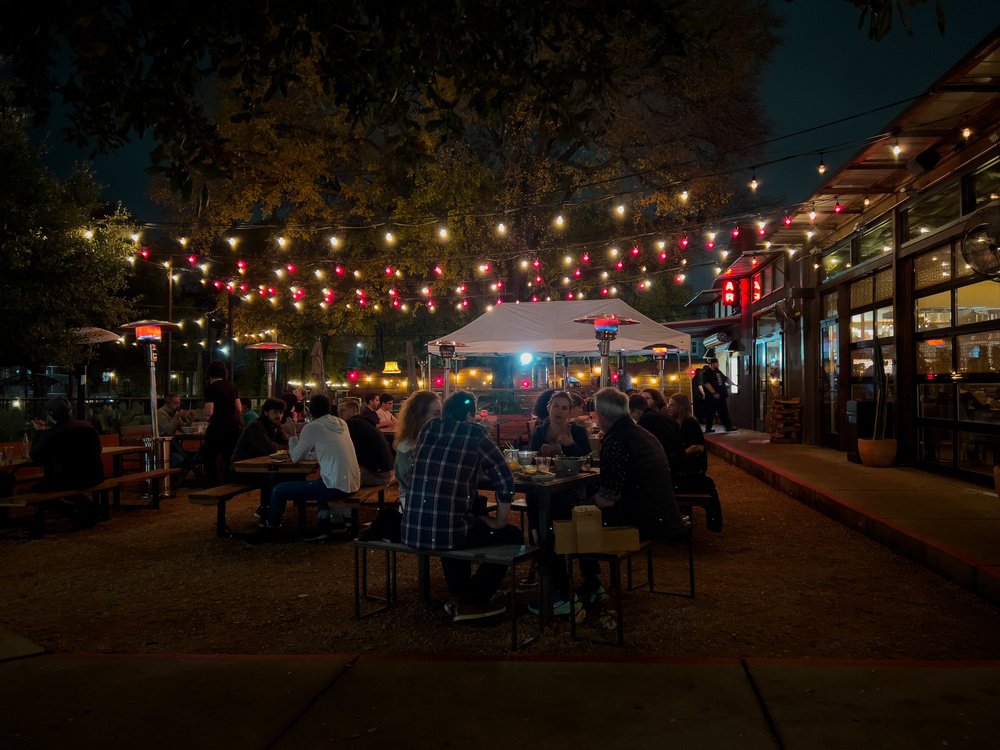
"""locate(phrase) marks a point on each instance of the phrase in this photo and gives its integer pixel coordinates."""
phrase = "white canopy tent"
(549, 327)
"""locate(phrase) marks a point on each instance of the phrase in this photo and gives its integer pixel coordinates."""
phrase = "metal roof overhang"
(704, 326)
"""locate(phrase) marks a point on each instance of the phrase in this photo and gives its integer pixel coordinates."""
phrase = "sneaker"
(561, 605)
(469, 612)
(261, 512)
(449, 608)
(732, 429)
(592, 595)
(709, 430)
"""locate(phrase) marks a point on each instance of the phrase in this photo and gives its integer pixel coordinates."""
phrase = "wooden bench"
(98, 493)
(687, 501)
(519, 504)
(219, 496)
(509, 555)
(614, 560)
(370, 496)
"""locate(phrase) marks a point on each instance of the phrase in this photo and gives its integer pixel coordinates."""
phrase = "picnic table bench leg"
(221, 530)
(302, 515)
(357, 584)
(116, 463)
(513, 608)
(155, 488)
(424, 577)
(38, 526)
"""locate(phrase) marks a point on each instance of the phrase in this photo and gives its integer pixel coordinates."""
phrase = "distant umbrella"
(89, 338)
(318, 368)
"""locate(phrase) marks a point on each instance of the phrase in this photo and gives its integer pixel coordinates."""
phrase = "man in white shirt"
(327, 437)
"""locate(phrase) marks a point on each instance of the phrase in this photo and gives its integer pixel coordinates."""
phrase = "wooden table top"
(123, 450)
(266, 464)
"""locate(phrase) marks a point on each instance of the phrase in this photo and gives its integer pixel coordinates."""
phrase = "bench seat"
(219, 496)
(509, 555)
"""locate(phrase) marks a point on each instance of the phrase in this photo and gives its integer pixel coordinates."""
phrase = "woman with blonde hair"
(417, 410)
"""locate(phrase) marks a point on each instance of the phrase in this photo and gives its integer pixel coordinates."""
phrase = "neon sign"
(729, 292)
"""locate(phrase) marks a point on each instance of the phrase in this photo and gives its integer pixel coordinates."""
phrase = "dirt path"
(779, 581)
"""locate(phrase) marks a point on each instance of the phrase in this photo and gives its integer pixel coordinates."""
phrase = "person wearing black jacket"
(374, 454)
(263, 436)
(70, 451)
(716, 386)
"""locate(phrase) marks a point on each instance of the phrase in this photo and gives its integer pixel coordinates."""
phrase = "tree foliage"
(55, 279)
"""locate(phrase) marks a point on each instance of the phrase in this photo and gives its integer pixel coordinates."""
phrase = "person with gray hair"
(636, 488)
(70, 451)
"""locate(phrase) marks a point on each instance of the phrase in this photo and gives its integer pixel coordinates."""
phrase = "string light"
(895, 147)
(684, 194)
(867, 201)
(754, 184)
(822, 166)
(501, 227)
(282, 241)
(837, 208)
(334, 241)
(620, 209)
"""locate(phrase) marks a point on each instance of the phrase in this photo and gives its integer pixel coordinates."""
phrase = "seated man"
(373, 452)
(636, 487)
(70, 451)
(170, 418)
(327, 437)
(370, 413)
(249, 415)
(262, 437)
(445, 467)
(386, 421)
(663, 429)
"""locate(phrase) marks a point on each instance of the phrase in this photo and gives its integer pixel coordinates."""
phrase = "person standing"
(716, 386)
(698, 394)
(447, 460)
(70, 451)
(224, 413)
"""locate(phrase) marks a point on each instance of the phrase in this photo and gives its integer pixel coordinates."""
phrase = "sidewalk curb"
(969, 573)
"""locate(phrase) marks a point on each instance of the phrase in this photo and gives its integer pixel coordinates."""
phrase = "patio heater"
(269, 356)
(660, 352)
(605, 331)
(149, 333)
(446, 350)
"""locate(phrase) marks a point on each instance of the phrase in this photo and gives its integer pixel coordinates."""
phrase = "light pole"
(269, 356)
(605, 331)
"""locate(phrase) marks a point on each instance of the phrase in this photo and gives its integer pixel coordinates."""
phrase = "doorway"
(829, 344)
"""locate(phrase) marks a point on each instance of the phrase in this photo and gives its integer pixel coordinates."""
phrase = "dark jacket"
(581, 441)
(259, 438)
(636, 474)
(668, 433)
(370, 445)
(71, 454)
(370, 416)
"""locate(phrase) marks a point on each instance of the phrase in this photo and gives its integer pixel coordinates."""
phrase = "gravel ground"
(780, 581)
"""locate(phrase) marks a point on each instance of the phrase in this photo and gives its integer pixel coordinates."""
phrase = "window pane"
(889, 360)
(884, 323)
(862, 392)
(987, 184)
(862, 325)
(978, 453)
(978, 402)
(861, 292)
(934, 311)
(932, 268)
(934, 357)
(978, 303)
(979, 352)
(861, 363)
(883, 285)
(830, 305)
(936, 401)
(936, 446)
(836, 261)
(933, 212)
(876, 241)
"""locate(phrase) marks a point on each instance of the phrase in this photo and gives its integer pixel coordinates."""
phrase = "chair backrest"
(135, 434)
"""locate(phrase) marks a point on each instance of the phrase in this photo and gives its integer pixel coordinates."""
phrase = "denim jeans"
(313, 490)
(477, 589)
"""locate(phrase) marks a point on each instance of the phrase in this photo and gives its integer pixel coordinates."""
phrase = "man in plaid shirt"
(447, 460)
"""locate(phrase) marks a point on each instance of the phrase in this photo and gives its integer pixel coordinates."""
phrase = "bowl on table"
(187, 430)
(566, 466)
(525, 458)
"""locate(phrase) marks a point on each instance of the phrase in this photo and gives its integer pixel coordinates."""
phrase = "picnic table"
(543, 489)
(267, 472)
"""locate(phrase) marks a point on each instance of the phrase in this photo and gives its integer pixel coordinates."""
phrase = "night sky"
(825, 69)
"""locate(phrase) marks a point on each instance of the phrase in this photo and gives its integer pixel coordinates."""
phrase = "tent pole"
(690, 380)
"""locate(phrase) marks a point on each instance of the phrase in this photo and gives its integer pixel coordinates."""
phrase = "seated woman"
(655, 401)
(554, 437)
(679, 409)
(418, 409)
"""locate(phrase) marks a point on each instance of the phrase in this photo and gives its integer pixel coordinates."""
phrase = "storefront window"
(978, 303)
(979, 352)
(830, 305)
(862, 364)
(937, 446)
(934, 311)
(962, 268)
(884, 323)
(932, 268)
(836, 261)
(862, 325)
(933, 212)
(875, 242)
(883, 285)
(978, 453)
(936, 401)
(987, 184)
(861, 292)
(934, 357)
(978, 402)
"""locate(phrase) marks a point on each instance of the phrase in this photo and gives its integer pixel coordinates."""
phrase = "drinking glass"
(544, 464)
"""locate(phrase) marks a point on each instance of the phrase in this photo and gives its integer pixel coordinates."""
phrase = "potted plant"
(879, 451)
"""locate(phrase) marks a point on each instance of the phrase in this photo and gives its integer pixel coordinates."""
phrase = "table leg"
(545, 564)
(116, 469)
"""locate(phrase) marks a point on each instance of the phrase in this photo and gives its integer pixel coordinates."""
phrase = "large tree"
(63, 256)
(670, 121)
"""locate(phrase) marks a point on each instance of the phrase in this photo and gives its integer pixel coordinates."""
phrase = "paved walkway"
(88, 701)
(948, 525)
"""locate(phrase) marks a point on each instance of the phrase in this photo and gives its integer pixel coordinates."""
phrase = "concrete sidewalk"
(950, 526)
(371, 702)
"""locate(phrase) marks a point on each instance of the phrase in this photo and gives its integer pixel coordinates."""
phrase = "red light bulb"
(684, 241)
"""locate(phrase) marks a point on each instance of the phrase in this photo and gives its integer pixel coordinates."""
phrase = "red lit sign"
(352, 375)
(729, 292)
(756, 290)
(526, 384)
